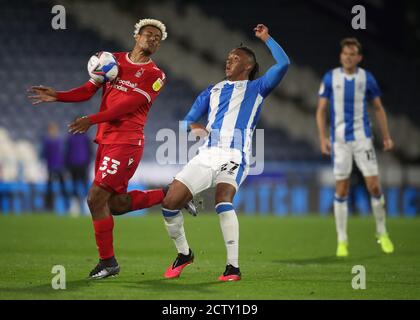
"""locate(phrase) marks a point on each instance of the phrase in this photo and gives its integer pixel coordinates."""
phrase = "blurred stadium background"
(297, 179)
(281, 258)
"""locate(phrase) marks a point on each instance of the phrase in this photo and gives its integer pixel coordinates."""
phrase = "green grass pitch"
(280, 258)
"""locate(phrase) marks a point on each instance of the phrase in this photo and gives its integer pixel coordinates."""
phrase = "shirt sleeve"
(126, 105)
(82, 93)
(372, 89)
(151, 85)
(199, 108)
(325, 90)
(275, 74)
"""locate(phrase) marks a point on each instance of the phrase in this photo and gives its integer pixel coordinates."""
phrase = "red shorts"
(115, 164)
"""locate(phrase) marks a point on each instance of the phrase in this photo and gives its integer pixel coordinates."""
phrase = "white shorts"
(212, 166)
(364, 156)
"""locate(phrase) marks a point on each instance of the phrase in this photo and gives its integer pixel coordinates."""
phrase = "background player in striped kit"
(348, 90)
(233, 107)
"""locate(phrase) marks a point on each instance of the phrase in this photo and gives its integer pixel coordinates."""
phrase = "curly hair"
(254, 72)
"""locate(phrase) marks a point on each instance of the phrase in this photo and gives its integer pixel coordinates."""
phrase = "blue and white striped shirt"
(233, 107)
(348, 96)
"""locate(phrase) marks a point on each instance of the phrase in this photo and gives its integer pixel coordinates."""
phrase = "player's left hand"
(261, 32)
(388, 144)
(198, 130)
(80, 125)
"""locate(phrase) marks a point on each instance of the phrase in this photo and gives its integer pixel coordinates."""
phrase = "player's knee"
(341, 193)
(93, 204)
(170, 203)
(374, 189)
(119, 204)
(342, 189)
(222, 198)
(224, 195)
(96, 202)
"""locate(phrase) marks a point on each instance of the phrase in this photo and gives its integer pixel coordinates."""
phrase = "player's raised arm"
(40, 94)
(276, 72)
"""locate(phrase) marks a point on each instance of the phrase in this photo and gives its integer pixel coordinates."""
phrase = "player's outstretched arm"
(276, 72)
(39, 94)
(381, 117)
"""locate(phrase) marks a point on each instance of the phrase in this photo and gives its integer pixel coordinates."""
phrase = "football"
(103, 67)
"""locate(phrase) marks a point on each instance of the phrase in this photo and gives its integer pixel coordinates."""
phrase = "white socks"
(378, 208)
(174, 223)
(340, 213)
(230, 230)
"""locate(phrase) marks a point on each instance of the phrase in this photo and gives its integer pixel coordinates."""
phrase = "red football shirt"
(135, 82)
(130, 95)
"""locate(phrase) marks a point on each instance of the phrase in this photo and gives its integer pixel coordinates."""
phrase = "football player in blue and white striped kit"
(348, 89)
(233, 108)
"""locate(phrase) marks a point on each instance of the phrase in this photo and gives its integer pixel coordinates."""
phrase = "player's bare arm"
(381, 117)
(321, 121)
(39, 94)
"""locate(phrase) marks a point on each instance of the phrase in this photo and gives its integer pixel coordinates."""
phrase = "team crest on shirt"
(139, 73)
(360, 86)
(157, 85)
(239, 85)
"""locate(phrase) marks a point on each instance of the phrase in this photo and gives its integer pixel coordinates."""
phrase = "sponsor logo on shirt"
(123, 85)
(157, 85)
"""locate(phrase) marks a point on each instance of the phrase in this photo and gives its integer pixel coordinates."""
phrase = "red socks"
(104, 227)
(145, 199)
(103, 234)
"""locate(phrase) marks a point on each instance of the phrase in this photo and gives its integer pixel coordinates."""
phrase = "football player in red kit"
(125, 104)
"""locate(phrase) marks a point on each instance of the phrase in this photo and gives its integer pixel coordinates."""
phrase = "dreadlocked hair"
(254, 72)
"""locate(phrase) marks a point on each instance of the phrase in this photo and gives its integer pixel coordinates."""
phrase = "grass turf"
(281, 258)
